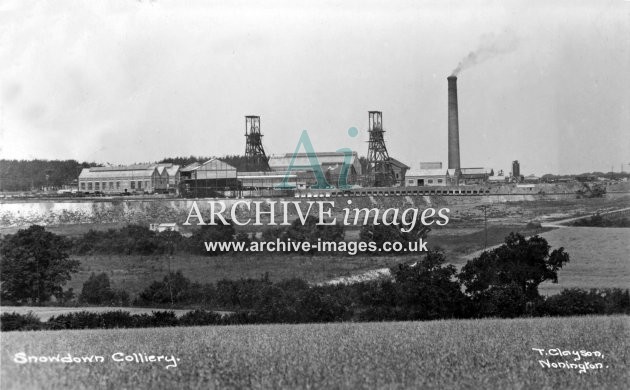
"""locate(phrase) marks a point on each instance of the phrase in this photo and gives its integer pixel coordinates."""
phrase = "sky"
(125, 81)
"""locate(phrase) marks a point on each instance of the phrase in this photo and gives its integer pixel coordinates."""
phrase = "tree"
(428, 289)
(380, 234)
(211, 233)
(512, 272)
(310, 231)
(34, 265)
(97, 290)
(174, 288)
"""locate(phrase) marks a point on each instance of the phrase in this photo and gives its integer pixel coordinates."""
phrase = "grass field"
(134, 273)
(471, 354)
(599, 258)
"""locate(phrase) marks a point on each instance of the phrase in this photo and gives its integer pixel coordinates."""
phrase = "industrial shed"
(425, 177)
(267, 183)
(214, 178)
(139, 178)
(468, 176)
(400, 171)
(173, 176)
(331, 164)
(497, 179)
(162, 176)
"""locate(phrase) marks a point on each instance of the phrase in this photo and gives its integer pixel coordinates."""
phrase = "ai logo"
(314, 165)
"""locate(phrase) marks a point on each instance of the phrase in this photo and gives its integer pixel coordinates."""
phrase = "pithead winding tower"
(256, 159)
(380, 171)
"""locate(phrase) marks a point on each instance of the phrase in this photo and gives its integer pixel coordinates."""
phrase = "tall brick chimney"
(453, 125)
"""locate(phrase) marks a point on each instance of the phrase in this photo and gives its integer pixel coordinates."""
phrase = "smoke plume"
(491, 45)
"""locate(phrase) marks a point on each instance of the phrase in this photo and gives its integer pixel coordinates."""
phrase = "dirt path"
(562, 223)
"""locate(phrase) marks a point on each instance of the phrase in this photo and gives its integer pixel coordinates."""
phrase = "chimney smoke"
(453, 125)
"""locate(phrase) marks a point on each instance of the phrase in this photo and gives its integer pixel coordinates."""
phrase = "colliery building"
(214, 178)
(470, 176)
(127, 179)
(331, 163)
(400, 171)
(253, 184)
(430, 174)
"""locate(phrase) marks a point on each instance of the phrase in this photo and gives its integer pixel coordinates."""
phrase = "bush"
(164, 318)
(617, 300)
(380, 234)
(117, 319)
(319, 305)
(15, 321)
(211, 233)
(96, 290)
(533, 225)
(67, 297)
(174, 288)
(78, 320)
(293, 284)
(371, 301)
(130, 240)
(242, 237)
(311, 232)
(576, 301)
(274, 234)
(200, 318)
(507, 301)
(275, 305)
(111, 319)
(241, 293)
(427, 289)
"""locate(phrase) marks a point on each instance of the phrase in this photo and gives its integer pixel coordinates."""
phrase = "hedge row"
(319, 308)
(119, 319)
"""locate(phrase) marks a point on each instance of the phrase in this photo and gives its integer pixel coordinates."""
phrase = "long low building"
(138, 178)
(471, 176)
(430, 174)
(425, 177)
(331, 164)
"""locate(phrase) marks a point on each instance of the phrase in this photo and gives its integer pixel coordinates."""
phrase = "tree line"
(140, 240)
(240, 162)
(24, 175)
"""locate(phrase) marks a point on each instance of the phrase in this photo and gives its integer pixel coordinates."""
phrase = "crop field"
(441, 354)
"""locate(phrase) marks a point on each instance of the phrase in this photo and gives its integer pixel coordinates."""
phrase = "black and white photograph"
(301, 194)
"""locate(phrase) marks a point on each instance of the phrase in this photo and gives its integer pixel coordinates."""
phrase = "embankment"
(14, 213)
